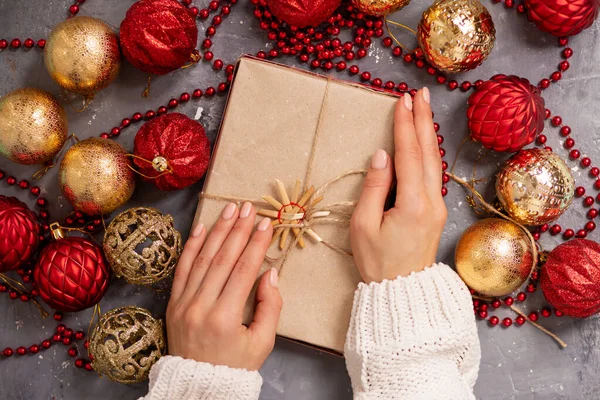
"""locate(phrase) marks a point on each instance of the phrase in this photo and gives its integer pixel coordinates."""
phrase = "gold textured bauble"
(494, 257)
(96, 177)
(125, 343)
(142, 245)
(456, 35)
(33, 126)
(535, 187)
(379, 7)
(82, 55)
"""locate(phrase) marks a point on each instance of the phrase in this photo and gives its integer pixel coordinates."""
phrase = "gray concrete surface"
(518, 363)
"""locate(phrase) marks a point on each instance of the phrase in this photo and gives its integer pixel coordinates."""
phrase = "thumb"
(268, 308)
(369, 210)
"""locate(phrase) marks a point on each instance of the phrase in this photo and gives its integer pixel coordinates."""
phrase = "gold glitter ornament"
(125, 343)
(456, 35)
(142, 245)
(95, 176)
(33, 126)
(379, 7)
(82, 55)
(494, 257)
(535, 187)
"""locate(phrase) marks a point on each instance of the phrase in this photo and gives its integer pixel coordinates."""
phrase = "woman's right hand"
(405, 238)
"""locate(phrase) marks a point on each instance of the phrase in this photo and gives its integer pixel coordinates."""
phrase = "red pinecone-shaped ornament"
(19, 233)
(71, 273)
(506, 113)
(178, 149)
(562, 17)
(570, 279)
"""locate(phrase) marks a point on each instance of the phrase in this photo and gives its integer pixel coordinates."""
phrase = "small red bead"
(79, 335)
(483, 307)
(541, 139)
(66, 341)
(8, 352)
(466, 85)
(196, 94)
(521, 297)
(21, 350)
(41, 43)
(575, 154)
(548, 114)
(125, 122)
(556, 76)
(567, 53)
(74, 9)
(444, 191)
(509, 301)
(536, 236)
(496, 303)
(408, 58)
(24, 298)
(565, 130)
(34, 348)
(86, 344)
(563, 41)
(3, 288)
(564, 65)
(56, 337)
(509, 3)
(544, 83)
(453, 85)
(590, 226)
(533, 316)
(558, 313)
(79, 363)
(173, 103)
(137, 117)
(588, 201)
(60, 328)
(569, 143)
(222, 87)
(194, 11)
(11, 180)
(483, 314)
(13, 295)
(210, 91)
(211, 30)
(72, 352)
(586, 162)
(150, 114)
(115, 131)
(520, 320)
(15, 43)
(46, 344)
(555, 229)
(29, 43)
(494, 320)
(595, 171)
(218, 64)
(530, 288)
(592, 213)
(208, 55)
(569, 233)
(3, 44)
(507, 322)
(581, 234)
(88, 367)
(546, 312)
(68, 332)
(556, 121)
(24, 184)
(579, 191)
(161, 110)
(365, 76)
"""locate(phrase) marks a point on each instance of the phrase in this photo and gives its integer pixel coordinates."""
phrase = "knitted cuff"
(175, 378)
(420, 307)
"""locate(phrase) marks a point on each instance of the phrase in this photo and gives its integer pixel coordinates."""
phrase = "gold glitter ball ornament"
(456, 35)
(33, 126)
(125, 343)
(535, 187)
(494, 257)
(95, 176)
(142, 245)
(379, 7)
(82, 55)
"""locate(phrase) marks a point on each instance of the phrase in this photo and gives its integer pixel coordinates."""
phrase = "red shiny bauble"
(172, 142)
(159, 36)
(301, 13)
(562, 17)
(570, 278)
(506, 113)
(19, 233)
(71, 274)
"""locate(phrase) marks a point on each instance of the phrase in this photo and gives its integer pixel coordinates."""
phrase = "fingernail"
(228, 211)
(426, 95)
(263, 225)
(245, 211)
(273, 277)
(198, 230)
(407, 101)
(379, 160)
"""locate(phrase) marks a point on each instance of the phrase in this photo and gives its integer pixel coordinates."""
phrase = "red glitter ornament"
(159, 36)
(71, 273)
(506, 113)
(570, 278)
(172, 142)
(301, 13)
(562, 17)
(19, 233)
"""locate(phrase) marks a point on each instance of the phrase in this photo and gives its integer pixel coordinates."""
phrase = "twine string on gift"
(300, 215)
(488, 207)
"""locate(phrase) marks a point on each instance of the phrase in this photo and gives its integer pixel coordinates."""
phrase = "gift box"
(297, 145)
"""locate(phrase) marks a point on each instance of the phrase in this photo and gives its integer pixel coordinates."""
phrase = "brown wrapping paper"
(267, 133)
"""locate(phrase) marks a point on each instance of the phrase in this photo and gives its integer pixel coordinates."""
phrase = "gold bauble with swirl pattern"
(379, 7)
(535, 187)
(125, 344)
(456, 35)
(95, 176)
(82, 55)
(33, 126)
(494, 257)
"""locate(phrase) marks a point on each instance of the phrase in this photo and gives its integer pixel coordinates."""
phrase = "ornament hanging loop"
(405, 27)
(159, 163)
(146, 92)
(51, 164)
(22, 290)
(194, 58)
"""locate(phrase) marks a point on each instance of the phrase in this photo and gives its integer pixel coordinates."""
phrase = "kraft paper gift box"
(279, 123)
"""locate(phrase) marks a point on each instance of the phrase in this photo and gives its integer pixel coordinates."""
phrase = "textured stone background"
(518, 363)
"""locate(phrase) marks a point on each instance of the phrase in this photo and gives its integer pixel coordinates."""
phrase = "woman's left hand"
(213, 280)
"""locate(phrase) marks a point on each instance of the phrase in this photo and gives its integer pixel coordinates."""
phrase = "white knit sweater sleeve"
(413, 338)
(174, 378)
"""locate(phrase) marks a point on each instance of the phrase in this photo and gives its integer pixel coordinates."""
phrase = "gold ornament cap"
(160, 164)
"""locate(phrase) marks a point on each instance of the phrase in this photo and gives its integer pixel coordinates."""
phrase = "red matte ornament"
(506, 113)
(159, 36)
(302, 13)
(71, 273)
(19, 233)
(172, 142)
(562, 17)
(570, 279)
